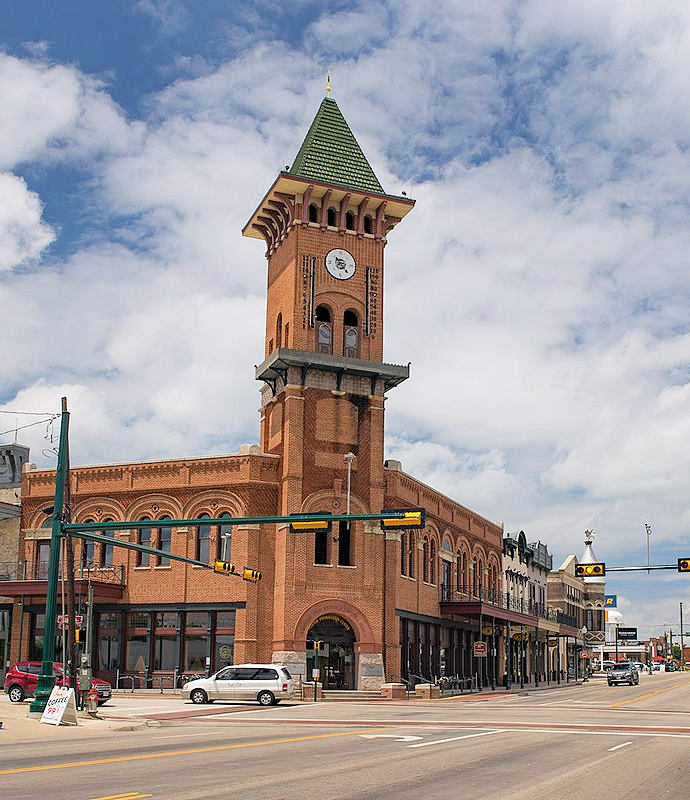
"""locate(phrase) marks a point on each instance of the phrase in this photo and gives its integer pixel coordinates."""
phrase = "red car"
(21, 680)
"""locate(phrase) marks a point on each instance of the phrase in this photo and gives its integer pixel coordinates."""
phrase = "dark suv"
(624, 672)
(22, 678)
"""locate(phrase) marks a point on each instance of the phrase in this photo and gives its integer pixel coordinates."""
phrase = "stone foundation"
(370, 674)
(295, 662)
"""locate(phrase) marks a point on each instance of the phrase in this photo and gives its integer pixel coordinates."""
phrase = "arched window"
(475, 578)
(279, 331)
(324, 330)
(412, 549)
(224, 548)
(480, 576)
(368, 228)
(144, 559)
(330, 217)
(403, 553)
(203, 542)
(349, 220)
(107, 549)
(164, 543)
(313, 212)
(43, 553)
(350, 335)
(432, 561)
(88, 551)
(425, 560)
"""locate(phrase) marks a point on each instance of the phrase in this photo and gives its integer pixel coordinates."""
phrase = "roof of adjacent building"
(330, 153)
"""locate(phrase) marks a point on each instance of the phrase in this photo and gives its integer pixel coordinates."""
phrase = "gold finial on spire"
(328, 83)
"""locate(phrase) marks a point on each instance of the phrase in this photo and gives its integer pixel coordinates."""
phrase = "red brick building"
(388, 606)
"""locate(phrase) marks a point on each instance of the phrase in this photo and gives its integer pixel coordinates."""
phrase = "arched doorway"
(335, 656)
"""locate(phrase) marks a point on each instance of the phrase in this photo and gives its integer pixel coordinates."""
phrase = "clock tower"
(325, 222)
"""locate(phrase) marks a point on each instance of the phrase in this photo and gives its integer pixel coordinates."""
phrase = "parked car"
(266, 683)
(624, 672)
(640, 666)
(22, 678)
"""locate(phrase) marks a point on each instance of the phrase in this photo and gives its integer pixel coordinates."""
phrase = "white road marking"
(399, 737)
(456, 738)
(618, 746)
(185, 735)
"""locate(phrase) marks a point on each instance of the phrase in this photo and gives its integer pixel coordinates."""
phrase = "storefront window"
(195, 647)
(108, 641)
(195, 653)
(224, 651)
(137, 648)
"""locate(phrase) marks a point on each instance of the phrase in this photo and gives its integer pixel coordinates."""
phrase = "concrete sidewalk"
(18, 726)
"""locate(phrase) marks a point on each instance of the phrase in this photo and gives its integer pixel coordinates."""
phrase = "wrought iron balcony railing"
(38, 571)
(507, 601)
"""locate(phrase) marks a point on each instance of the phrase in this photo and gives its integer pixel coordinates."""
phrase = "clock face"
(340, 264)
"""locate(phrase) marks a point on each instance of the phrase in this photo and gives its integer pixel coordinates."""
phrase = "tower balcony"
(286, 366)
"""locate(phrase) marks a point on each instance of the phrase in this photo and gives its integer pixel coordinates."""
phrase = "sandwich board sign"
(61, 708)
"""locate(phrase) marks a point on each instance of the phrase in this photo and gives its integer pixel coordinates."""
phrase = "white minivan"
(266, 683)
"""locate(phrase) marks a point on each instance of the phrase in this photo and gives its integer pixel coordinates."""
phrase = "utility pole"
(682, 644)
(46, 680)
(648, 529)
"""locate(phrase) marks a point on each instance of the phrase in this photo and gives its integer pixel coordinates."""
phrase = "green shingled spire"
(330, 153)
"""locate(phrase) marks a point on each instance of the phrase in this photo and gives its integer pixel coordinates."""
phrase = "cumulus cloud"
(23, 234)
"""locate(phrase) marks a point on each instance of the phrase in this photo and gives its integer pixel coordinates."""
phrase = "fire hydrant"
(92, 698)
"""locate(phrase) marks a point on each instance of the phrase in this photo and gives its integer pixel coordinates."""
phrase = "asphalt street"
(575, 741)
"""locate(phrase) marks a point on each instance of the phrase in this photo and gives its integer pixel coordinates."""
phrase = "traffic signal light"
(684, 565)
(251, 575)
(590, 570)
(79, 635)
(413, 518)
(319, 523)
(225, 567)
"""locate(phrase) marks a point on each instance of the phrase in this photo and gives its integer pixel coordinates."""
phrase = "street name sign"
(61, 708)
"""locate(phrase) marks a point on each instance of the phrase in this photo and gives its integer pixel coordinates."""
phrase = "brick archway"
(365, 641)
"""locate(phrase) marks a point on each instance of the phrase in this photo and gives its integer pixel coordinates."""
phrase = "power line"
(31, 413)
(30, 425)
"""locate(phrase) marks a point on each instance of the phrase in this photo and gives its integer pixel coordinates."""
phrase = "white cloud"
(23, 235)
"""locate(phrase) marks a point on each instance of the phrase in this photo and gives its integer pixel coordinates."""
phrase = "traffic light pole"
(46, 680)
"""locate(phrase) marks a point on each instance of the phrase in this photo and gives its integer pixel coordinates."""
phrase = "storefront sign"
(479, 649)
(334, 618)
(627, 634)
(61, 708)
(611, 600)
(584, 654)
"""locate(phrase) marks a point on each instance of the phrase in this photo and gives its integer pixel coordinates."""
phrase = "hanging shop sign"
(479, 649)
(553, 642)
(488, 630)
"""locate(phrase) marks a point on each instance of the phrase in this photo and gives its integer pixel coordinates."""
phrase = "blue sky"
(546, 145)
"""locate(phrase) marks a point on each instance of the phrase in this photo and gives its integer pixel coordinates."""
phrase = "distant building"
(13, 457)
